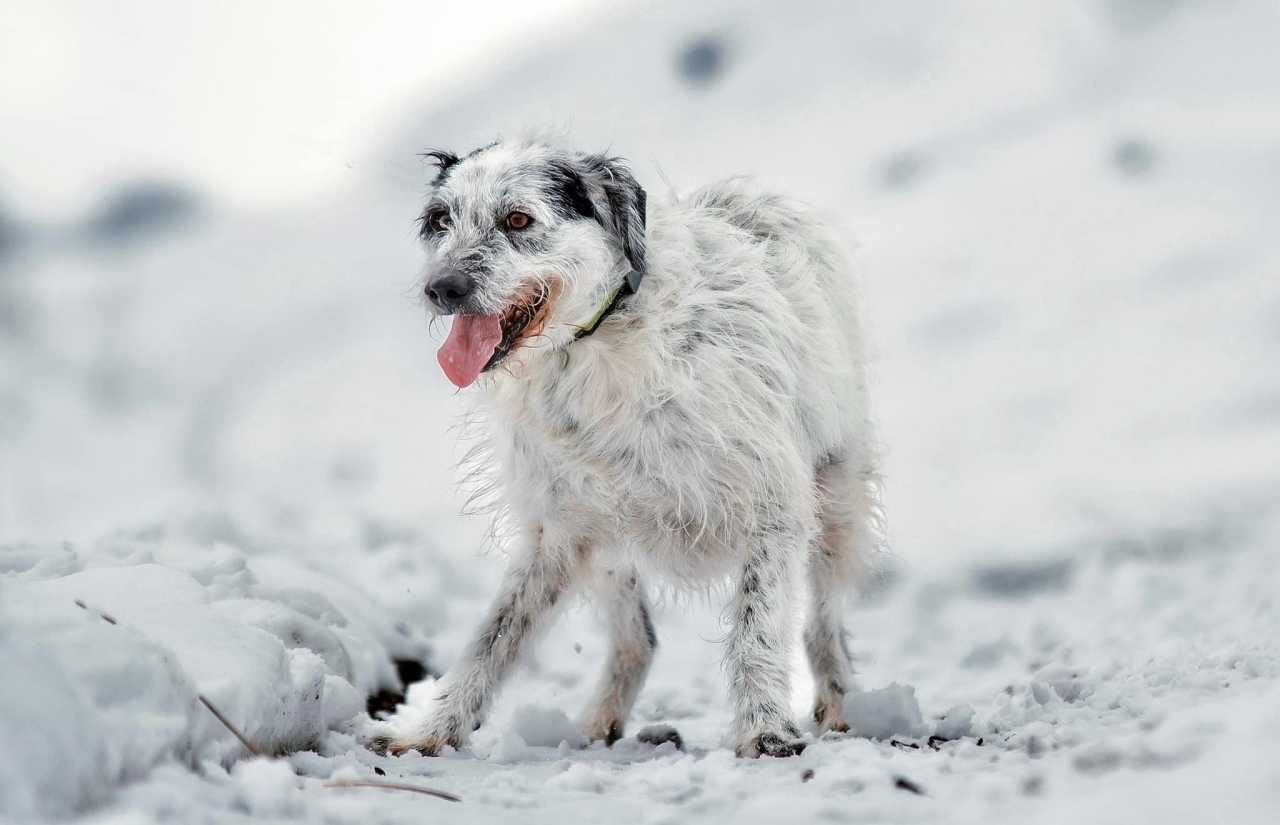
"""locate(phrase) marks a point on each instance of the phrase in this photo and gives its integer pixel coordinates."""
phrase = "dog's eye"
(518, 221)
(438, 220)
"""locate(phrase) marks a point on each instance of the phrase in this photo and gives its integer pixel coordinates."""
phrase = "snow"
(547, 727)
(118, 643)
(230, 435)
(885, 713)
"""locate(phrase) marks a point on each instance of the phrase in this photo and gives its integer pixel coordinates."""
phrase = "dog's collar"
(629, 286)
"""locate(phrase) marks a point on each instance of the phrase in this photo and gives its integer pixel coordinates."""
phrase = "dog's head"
(525, 245)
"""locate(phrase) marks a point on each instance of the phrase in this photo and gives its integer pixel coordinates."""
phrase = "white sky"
(256, 103)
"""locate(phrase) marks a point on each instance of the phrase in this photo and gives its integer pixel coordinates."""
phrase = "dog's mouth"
(522, 320)
(478, 343)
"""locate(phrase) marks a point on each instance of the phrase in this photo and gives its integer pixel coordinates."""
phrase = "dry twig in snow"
(391, 786)
(217, 714)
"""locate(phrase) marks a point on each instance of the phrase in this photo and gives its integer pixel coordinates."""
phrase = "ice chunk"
(546, 727)
(885, 713)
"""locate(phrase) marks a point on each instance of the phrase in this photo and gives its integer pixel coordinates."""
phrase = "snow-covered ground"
(226, 431)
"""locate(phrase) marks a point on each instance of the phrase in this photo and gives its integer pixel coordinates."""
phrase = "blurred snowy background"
(217, 389)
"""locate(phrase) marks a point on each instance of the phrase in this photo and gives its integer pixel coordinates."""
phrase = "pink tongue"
(471, 342)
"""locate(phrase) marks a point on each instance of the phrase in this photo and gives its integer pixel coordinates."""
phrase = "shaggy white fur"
(714, 425)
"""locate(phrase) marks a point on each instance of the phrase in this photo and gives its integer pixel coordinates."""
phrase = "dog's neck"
(629, 286)
(606, 355)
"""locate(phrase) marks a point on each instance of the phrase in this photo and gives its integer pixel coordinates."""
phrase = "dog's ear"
(619, 203)
(444, 161)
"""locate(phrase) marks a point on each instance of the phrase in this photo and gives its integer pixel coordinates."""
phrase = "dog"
(674, 390)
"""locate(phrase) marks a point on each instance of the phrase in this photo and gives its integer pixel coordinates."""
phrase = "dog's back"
(814, 276)
(788, 228)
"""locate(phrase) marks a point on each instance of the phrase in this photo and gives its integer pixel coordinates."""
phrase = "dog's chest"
(603, 454)
(580, 448)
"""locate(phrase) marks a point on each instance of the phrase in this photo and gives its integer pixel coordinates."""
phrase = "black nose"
(450, 291)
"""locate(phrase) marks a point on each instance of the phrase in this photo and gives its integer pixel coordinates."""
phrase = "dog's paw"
(656, 735)
(376, 735)
(829, 716)
(386, 739)
(604, 729)
(783, 742)
(428, 745)
(380, 744)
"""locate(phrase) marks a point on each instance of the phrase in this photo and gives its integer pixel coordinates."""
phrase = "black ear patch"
(620, 207)
(444, 161)
(567, 191)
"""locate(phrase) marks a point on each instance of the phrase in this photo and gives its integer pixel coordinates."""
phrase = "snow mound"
(132, 632)
(56, 753)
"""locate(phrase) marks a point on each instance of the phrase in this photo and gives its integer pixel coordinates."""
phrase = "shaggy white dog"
(675, 389)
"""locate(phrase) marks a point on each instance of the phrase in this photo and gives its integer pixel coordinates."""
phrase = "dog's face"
(525, 243)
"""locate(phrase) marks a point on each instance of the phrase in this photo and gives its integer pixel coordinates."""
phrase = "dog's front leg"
(534, 583)
(759, 651)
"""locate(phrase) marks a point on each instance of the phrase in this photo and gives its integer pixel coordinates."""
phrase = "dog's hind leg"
(619, 596)
(824, 641)
(758, 655)
(845, 512)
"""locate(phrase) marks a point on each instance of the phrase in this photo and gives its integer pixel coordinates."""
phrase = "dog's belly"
(678, 552)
